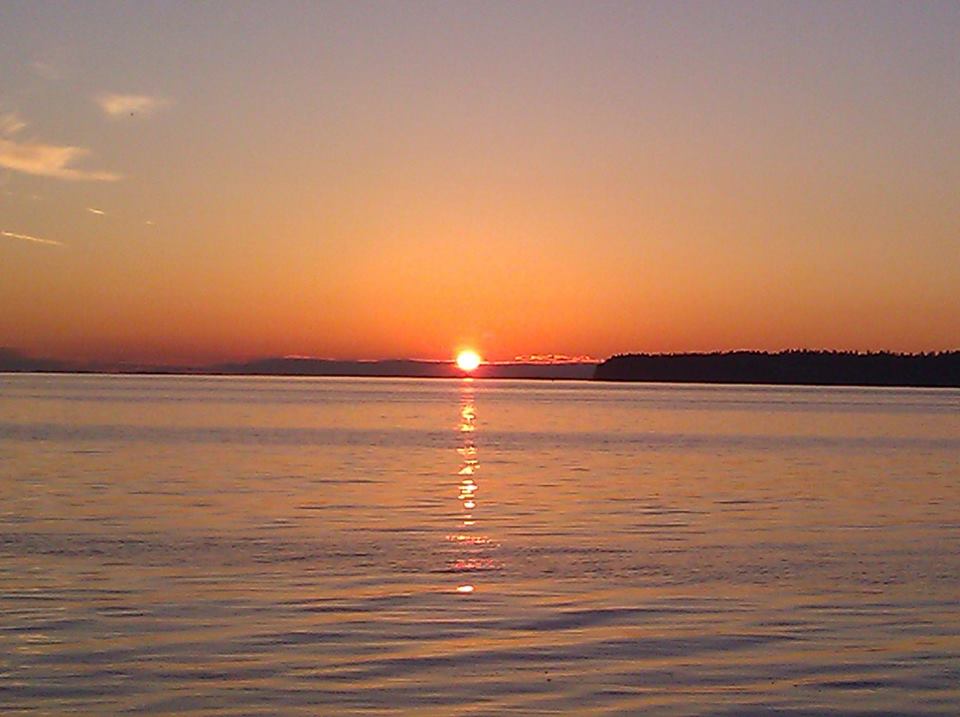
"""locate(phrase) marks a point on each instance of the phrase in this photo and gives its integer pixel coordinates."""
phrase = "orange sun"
(468, 360)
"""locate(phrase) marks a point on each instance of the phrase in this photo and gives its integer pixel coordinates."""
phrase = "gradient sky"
(368, 180)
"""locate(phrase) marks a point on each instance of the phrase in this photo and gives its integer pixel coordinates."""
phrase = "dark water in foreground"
(325, 546)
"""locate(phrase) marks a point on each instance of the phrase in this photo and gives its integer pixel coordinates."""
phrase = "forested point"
(820, 368)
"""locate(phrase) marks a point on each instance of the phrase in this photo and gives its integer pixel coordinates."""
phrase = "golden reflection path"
(473, 549)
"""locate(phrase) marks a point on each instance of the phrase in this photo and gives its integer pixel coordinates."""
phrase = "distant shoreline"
(785, 368)
(537, 379)
(207, 374)
(788, 368)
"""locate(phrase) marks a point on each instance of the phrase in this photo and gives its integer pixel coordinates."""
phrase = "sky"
(188, 182)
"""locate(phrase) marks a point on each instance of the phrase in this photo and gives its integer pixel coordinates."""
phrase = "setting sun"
(468, 360)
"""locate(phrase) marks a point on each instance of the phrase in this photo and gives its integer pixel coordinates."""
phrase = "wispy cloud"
(45, 160)
(119, 106)
(28, 237)
(96, 211)
(48, 160)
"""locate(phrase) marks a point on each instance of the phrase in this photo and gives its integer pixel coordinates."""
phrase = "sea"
(191, 545)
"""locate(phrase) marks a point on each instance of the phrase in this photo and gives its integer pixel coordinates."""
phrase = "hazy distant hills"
(15, 361)
(402, 367)
(824, 368)
(820, 368)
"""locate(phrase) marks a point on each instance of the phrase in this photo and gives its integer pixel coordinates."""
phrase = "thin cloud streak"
(27, 237)
(119, 106)
(555, 358)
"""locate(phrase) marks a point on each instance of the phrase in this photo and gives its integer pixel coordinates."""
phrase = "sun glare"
(468, 360)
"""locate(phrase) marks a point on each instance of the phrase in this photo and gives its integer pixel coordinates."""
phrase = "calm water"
(238, 546)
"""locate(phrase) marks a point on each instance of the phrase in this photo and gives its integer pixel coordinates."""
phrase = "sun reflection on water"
(472, 547)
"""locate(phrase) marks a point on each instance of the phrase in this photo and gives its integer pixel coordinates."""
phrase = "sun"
(468, 360)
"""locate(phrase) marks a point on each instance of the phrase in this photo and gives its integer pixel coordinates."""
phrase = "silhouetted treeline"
(821, 368)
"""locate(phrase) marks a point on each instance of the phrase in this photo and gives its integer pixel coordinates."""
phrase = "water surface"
(238, 546)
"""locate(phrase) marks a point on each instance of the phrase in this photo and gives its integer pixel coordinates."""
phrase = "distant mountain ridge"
(401, 368)
(15, 361)
(801, 367)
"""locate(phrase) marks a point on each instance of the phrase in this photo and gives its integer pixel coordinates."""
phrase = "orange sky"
(366, 180)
